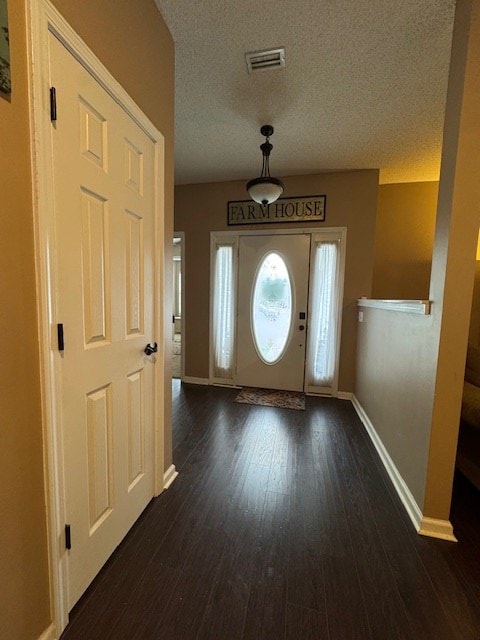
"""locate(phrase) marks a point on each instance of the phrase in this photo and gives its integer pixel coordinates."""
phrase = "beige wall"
(404, 240)
(410, 368)
(394, 385)
(453, 264)
(132, 41)
(202, 208)
(24, 599)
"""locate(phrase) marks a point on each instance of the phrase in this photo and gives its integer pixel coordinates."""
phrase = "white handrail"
(421, 307)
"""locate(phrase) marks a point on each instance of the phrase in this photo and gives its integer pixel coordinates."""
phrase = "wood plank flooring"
(282, 524)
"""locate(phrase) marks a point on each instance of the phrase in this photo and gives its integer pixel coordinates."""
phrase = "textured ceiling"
(364, 86)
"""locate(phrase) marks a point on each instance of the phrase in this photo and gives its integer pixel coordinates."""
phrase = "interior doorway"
(105, 264)
(99, 249)
(178, 306)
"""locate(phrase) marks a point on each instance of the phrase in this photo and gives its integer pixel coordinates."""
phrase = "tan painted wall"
(395, 381)
(404, 240)
(132, 41)
(453, 265)
(410, 369)
(24, 599)
(202, 208)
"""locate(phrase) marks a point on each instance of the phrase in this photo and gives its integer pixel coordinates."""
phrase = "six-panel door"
(104, 214)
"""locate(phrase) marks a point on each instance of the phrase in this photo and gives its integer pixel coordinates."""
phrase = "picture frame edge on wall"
(5, 74)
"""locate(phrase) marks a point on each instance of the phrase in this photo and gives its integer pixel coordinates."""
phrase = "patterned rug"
(271, 398)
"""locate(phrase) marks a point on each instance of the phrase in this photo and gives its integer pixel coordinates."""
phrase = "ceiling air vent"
(265, 60)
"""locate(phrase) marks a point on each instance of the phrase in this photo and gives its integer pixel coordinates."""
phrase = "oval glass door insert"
(271, 308)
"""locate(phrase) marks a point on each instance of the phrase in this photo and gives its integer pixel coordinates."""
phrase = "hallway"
(282, 524)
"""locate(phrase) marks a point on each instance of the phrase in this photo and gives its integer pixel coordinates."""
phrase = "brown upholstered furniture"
(468, 453)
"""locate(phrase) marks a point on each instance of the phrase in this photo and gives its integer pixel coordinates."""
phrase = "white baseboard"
(398, 482)
(341, 395)
(193, 380)
(345, 395)
(49, 634)
(424, 526)
(437, 529)
(169, 476)
(224, 385)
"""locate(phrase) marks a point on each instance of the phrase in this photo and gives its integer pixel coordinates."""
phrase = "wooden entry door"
(272, 311)
(104, 205)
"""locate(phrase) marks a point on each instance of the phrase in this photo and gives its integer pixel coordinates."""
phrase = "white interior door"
(104, 225)
(272, 308)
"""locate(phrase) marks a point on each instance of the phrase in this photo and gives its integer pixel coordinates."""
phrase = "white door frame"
(181, 235)
(234, 237)
(43, 18)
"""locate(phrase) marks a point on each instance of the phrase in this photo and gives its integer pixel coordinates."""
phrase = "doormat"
(272, 398)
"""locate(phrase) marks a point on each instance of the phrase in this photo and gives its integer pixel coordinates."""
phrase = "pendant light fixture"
(265, 189)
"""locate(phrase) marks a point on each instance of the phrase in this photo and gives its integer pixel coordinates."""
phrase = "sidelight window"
(323, 325)
(223, 312)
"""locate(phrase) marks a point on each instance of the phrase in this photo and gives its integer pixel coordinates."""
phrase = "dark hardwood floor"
(282, 524)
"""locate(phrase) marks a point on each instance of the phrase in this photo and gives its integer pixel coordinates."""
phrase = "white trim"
(169, 476)
(37, 41)
(160, 286)
(49, 634)
(193, 380)
(225, 385)
(421, 307)
(345, 395)
(340, 395)
(181, 235)
(43, 18)
(233, 236)
(398, 482)
(434, 528)
(424, 526)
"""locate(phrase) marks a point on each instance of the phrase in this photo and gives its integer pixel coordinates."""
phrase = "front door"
(272, 311)
(104, 225)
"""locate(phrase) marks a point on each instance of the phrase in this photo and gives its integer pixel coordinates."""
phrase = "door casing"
(43, 18)
(232, 237)
(181, 236)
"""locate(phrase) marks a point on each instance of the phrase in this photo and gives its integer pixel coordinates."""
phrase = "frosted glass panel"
(223, 313)
(322, 348)
(272, 308)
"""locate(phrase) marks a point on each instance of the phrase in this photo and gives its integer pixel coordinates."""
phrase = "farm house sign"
(303, 209)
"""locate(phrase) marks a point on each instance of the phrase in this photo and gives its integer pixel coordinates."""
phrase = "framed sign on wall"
(298, 209)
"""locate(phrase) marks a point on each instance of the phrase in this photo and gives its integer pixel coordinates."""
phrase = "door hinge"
(61, 343)
(68, 537)
(53, 104)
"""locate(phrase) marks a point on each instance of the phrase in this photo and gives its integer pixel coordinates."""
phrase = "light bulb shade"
(265, 190)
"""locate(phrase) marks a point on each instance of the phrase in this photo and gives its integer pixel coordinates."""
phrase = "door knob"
(151, 348)
(301, 327)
